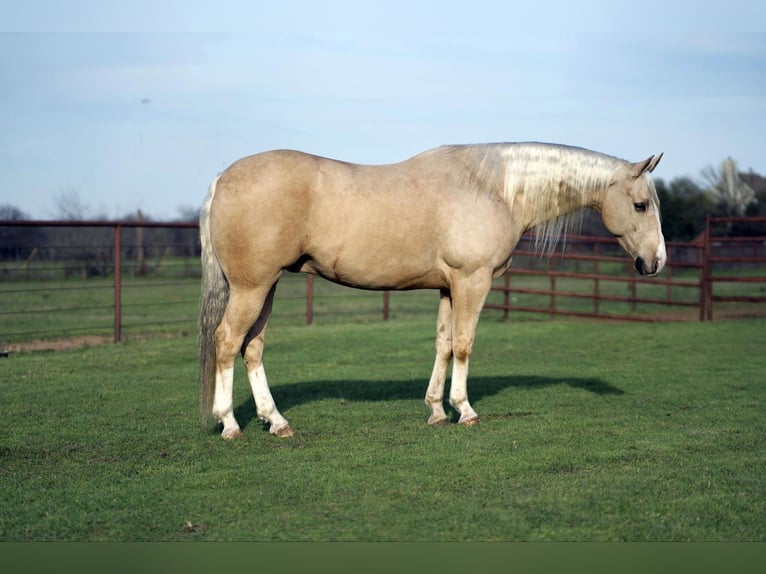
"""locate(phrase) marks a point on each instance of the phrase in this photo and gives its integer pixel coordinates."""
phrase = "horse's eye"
(640, 207)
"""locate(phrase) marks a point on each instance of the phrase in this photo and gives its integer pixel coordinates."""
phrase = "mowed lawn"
(590, 431)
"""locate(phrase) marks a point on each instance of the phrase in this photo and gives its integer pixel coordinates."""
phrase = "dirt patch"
(67, 343)
(59, 344)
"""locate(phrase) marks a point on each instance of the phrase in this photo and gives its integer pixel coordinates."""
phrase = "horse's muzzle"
(645, 270)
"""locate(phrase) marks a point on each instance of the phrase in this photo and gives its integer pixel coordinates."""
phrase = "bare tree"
(18, 243)
(69, 206)
(10, 212)
(188, 213)
(89, 249)
(728, 189)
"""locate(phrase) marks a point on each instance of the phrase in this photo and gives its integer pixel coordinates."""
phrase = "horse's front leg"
(468, 296)
(435, 392)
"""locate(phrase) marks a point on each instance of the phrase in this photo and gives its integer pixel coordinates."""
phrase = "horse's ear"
(648, 164)
(653, 163)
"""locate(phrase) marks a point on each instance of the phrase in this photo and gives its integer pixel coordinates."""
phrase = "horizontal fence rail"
(733, 261)
(594, 271)
(81, 264)
(65, 278)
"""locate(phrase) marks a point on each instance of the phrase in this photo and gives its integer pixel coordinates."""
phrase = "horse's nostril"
(639, 264)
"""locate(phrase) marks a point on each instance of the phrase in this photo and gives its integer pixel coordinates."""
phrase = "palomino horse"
(447, 219)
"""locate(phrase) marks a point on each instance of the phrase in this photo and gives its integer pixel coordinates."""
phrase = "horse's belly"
(373, 271)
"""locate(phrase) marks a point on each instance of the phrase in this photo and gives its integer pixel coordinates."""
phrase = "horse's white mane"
(559, 177)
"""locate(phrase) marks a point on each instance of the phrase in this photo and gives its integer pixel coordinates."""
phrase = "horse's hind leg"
(252, 352)
(242, 311)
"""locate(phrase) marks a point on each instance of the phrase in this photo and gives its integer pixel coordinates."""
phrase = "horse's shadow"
(376, 390)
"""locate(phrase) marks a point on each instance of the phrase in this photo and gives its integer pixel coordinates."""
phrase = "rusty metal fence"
(42, 258)
(733, 262)
(723, 269)
(590, 278)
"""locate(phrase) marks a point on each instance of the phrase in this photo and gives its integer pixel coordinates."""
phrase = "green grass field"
(590, 431)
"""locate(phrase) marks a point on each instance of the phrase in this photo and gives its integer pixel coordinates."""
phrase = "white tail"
(215, 295)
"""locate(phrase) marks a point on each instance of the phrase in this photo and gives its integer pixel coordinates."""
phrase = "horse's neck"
(548, 182)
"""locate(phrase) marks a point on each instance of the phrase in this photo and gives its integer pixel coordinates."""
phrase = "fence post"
(596, 280)
(117, 283)
(309, 299)
(707, 273)
(669, 287)
(506, 295)
(386, 304)
(633, 293)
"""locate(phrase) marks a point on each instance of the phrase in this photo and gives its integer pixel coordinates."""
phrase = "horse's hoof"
(438, 422)
(231, 434)
(282, 432)
(472, 421)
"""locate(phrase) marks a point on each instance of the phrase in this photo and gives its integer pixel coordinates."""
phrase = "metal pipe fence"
(733, 261)
(585, 281)
(65, 276)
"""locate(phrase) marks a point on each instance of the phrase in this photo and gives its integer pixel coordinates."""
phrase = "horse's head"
(631, 212)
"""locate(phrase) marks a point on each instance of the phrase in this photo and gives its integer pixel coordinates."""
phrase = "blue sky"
(138, 105)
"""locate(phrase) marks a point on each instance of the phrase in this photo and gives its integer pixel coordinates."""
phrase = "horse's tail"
(215, 295)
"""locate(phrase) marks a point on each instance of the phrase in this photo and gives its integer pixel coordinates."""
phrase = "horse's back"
(264, 172)
(389, 226)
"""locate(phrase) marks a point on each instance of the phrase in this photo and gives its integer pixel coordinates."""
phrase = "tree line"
(684, 202)
(89, 251)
